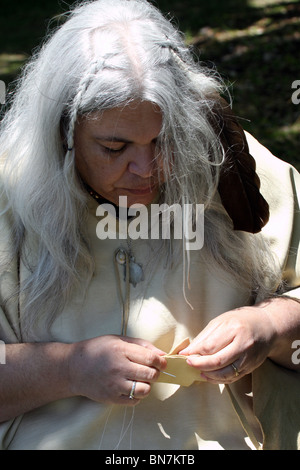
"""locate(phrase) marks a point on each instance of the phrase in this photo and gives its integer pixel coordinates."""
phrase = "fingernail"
(184, 351)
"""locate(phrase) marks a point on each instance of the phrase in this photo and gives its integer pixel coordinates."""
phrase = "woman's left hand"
(232, 344)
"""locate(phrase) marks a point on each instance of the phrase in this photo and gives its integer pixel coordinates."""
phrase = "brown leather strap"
(239, 185)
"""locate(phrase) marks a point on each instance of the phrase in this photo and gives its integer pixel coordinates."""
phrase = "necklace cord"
(125, 302)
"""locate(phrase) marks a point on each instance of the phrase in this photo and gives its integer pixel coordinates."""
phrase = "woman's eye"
(113, 151)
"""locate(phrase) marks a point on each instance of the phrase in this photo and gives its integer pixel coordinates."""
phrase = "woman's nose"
(141, 161)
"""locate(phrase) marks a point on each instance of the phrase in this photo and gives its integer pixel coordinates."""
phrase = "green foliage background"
(254, 44)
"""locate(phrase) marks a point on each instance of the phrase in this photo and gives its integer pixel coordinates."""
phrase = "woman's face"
(115, 152)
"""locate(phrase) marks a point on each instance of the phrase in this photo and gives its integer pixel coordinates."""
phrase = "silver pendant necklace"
(136, 273)
(133, 274)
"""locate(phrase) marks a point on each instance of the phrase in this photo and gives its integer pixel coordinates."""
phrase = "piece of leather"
(180, 372)
(239, 184)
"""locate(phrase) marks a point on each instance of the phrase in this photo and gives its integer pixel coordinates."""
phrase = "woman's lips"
(140, 191)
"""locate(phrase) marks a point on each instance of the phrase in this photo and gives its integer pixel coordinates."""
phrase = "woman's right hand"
(104, 368)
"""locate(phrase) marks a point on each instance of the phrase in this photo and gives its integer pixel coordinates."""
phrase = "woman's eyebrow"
(113, 139)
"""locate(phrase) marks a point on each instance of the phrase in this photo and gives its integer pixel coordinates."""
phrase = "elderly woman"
(113, 114)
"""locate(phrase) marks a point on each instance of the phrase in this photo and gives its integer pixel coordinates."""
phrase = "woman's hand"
(237, 342)
(104, 368)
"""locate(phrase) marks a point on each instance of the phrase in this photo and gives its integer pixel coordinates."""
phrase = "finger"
(136, 391)
(221, 331)
(144, 343)
(208, 345)
(146, 357)
(216, 361)
(226, 375)
(145, 374)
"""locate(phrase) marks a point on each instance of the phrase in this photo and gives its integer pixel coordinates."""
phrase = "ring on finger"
(131, 394)
(236, 371)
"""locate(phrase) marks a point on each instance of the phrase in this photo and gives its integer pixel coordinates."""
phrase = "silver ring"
(131, 394)
(236, 371)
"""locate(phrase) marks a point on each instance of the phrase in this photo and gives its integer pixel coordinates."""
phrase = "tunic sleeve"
(276, 397)
(280, 185)
(9, 321)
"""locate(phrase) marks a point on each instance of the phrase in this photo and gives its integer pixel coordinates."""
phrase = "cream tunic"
(200, 416)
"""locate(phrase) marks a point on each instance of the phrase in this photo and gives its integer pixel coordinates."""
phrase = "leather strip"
(239, 184)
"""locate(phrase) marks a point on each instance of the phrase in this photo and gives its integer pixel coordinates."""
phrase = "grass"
(255, 47)
(254, 44)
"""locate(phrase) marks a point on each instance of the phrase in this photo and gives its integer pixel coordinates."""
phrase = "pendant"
(136, 273)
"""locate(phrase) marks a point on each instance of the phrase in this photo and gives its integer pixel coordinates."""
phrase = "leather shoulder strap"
(239, 185)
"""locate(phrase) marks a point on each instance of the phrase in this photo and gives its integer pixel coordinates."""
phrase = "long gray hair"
(107, 54)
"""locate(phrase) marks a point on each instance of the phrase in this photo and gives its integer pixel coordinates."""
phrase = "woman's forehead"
(136, 121)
